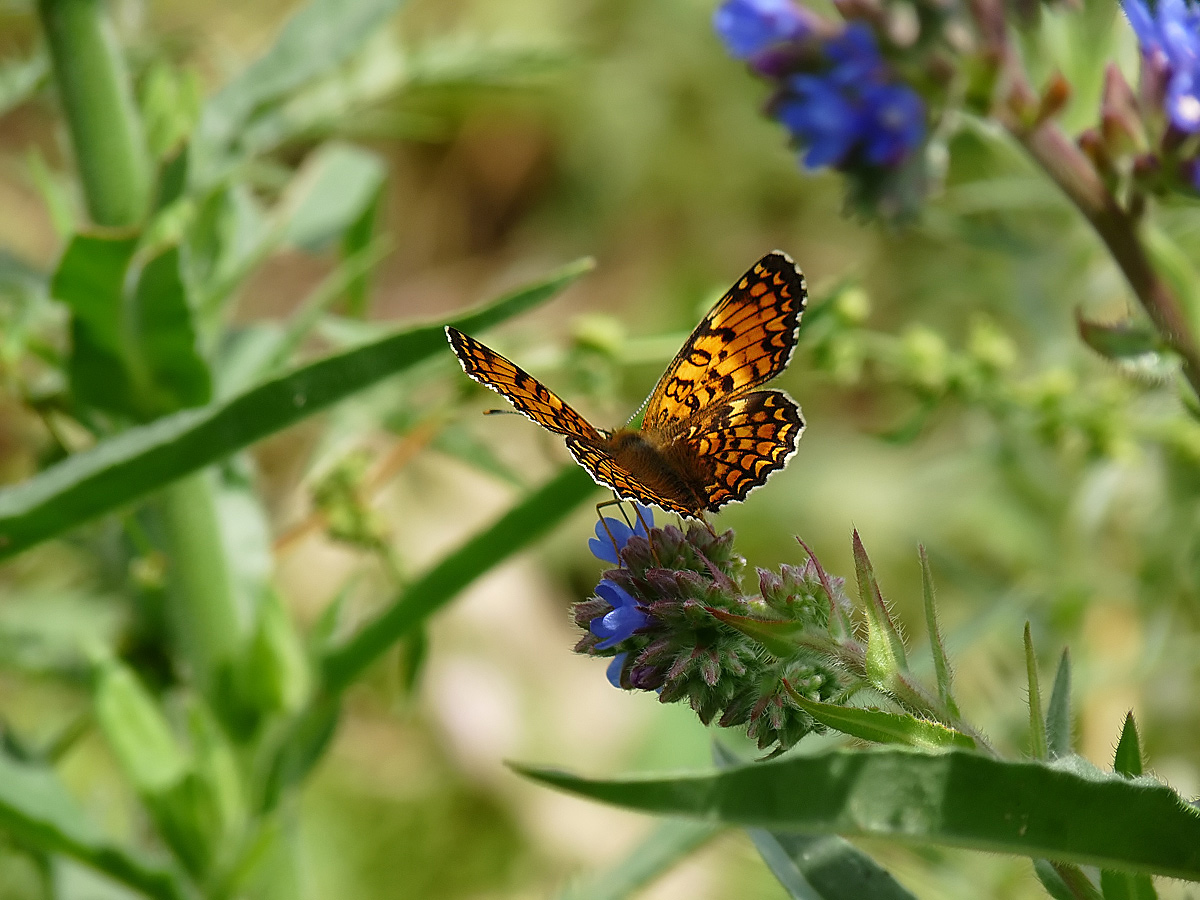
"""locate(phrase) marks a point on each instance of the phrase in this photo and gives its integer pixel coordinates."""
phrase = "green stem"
(115, 171)
(204, 613)
(96, 96)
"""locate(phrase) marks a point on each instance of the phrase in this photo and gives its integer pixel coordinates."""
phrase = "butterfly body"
(708, 437)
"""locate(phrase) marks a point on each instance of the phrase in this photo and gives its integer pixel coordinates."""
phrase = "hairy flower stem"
(1075, 175)
(908, 693)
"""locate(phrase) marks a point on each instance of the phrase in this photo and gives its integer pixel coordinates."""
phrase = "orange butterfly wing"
(528, 395)
(742, 441)
(608, 472)
(746, 340)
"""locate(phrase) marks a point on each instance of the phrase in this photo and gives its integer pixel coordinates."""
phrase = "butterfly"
(707, 438)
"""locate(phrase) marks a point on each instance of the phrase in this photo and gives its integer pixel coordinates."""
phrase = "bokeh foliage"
(253, 681)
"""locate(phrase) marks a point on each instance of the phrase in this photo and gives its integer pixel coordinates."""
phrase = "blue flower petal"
(1177, 31)
(820, 117)
(855, 57)
(1143, 24)
(748, 27)
(614, 669)
(1183, 101)
(611, 534)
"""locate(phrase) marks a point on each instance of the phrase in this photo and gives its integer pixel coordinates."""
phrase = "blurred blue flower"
(625, 618)
(835, 94)
(893, 123)
(817, 113)
(855, 57)
(611, 534)
(1172, 33)
(748, 27)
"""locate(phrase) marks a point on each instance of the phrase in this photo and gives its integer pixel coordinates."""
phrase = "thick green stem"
(204, 615)
(105, 130)
(116, 176)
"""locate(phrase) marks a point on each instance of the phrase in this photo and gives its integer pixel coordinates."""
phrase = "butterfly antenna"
(501, 412)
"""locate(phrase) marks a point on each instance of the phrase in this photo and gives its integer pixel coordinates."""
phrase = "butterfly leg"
(604, 521)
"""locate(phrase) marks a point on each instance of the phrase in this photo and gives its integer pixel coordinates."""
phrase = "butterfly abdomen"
(662, 465)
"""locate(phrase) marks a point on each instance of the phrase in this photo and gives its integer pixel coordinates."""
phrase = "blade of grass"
(138, 461)
(36, 809)
(533, 517)
(652, 858)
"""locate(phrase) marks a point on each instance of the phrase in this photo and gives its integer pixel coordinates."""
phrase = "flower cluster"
(834, 92)
(674, 619)
(1170, 43)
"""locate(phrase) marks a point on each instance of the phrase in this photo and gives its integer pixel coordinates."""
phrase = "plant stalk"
(116, 175)
(93, 84)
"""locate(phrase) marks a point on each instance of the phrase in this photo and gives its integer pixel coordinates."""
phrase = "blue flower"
(625, 618)
(855, 57)
(893, 123)
(611, 534)
(748, 27)
(821, 118)
(1173, 35)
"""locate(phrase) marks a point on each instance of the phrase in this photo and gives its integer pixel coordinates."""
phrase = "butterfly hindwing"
(746, 340)
(523, 391)
(605, 470)
(743, 441)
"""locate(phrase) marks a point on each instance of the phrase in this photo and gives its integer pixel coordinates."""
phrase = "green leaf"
(356, 239)
(653, 857)
(1064, 810)
(345, 182)
(141, 460)
(941, 664)
(1128, 758)
(1064, 882)
(133, 348)
(533, 517)
(298, 748)
(137, 731)
(182, 804)
(1118, 340)
(884, 727)
(1037, 725)
(36, 809)
(1058, 714)
(21, 78)
(1126, 886)
(818, 866)
(314, 42)
(824, 867)
(885, 647)
(1128, 762)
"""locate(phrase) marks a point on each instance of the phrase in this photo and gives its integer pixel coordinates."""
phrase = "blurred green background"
(532, 132)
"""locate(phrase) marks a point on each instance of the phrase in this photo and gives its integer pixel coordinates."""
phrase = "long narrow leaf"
(671, 842)
(818, 866)
(141, 460)
(1064, 811)
(35, 807)
(516, 529)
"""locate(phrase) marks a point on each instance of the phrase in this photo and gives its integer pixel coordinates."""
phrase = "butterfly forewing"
(743, 441)
(746, 340)
(523, 391)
